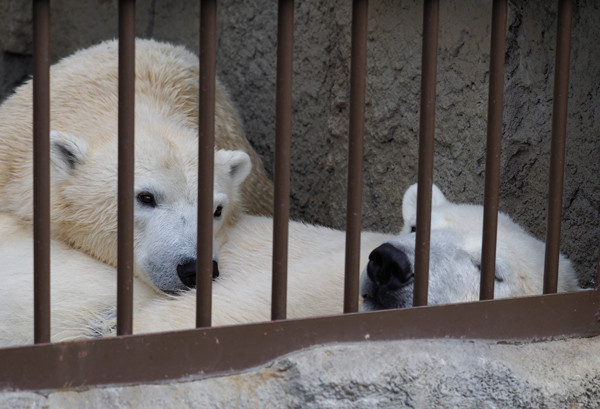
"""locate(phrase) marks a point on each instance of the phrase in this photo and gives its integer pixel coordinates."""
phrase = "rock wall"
(247, 60)
(417, 374)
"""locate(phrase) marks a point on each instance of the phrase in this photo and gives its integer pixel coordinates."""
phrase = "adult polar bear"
(316, 260)
(84, 101)
(83, 289)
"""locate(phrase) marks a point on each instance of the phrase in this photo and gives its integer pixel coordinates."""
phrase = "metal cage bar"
(426, 135)
(493, 150)
(206, 159)
(557, 152)
(283, 132)
(358, 80)
(126, 167)
(41, 170)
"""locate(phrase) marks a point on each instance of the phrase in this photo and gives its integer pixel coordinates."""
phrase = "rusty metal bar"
(41, 170)
(195, 354)
(494, 139)
(126, 166)
(358, 80)
(283, 132)
(426, 136)
(557, 152)
(206, 160)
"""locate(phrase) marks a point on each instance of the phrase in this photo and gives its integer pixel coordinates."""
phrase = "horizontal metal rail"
(207, 352)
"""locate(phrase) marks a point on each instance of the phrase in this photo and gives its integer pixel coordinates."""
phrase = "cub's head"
(84, 200)
(455, 258)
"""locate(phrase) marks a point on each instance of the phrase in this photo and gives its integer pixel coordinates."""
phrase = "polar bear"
(242, 293)
(83, 289)
(316, 269)
(84, 156)
(455, 258)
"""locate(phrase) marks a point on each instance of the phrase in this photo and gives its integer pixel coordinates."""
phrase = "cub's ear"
(238, 163)
(409, 201)
(409, 205)
(437, 197)
(66, 152)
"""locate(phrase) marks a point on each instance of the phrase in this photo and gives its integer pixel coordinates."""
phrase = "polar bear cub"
(83, 289)
(455, 254)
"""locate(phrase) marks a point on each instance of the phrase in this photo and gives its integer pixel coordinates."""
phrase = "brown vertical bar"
(41, 170)
(559, 136)
(598, 272)
(126, 166)
(492, 161)
(206, 146)
(283, 131)
(358, 80)
(426, 134)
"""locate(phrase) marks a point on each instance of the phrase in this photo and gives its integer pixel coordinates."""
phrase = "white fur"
(83, 289)
(455, 256)
(242, 293)
(84, 102)
(316, 267)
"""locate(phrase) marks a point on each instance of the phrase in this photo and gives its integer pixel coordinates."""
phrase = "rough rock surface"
(408, 373)
(247, 60)
(393, 374)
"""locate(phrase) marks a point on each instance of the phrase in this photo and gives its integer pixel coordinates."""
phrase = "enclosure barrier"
(206, 351)
(126, 162)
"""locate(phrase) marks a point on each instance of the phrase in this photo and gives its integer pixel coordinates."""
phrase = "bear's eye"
(497, 278)
(146, 199)
(218, 211)
(413, 229)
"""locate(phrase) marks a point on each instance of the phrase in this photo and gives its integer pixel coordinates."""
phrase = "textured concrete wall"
(246, 63)
(481, 374)
(401, 374)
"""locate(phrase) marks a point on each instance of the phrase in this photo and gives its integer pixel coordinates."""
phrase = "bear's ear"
(238, 163)
(409, 201)
(437, 197)
(66, 152)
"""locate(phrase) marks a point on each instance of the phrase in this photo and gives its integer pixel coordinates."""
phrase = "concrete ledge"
(396, 374)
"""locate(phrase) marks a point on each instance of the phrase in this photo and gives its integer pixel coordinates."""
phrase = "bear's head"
(84, 199)
(455, 258)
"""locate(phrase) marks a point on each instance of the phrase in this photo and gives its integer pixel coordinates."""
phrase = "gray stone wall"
(246, 64)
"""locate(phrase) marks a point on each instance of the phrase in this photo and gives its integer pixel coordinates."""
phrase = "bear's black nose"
(187, 272)
(389, 266)
(215, 269)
